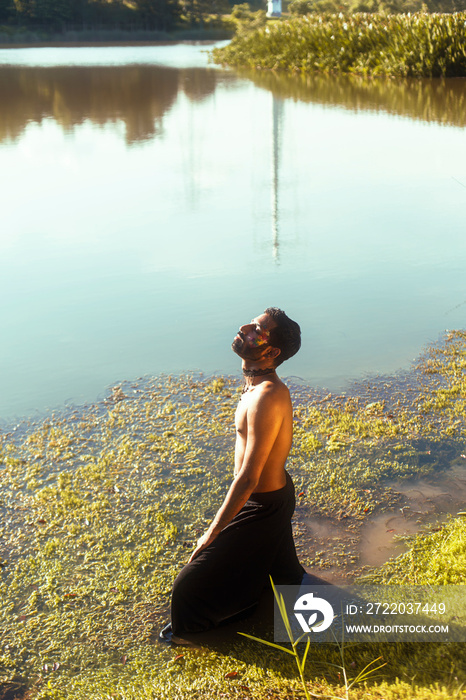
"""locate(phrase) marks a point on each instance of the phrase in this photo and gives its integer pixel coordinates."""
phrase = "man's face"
(253, 339)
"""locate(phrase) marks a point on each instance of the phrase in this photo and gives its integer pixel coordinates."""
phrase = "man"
(250, 538)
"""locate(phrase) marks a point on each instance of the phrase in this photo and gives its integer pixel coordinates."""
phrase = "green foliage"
(54, 13)
(168, 15)
(301, 7)
(50, 15)
(419, 45)
(158, 14)
(7, 10)
(304, 7)
(245, 20)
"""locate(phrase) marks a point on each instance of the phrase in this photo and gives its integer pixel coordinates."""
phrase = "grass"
(417, 45)
(101, 505)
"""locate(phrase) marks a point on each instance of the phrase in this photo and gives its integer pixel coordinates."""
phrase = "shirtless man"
(250, 537)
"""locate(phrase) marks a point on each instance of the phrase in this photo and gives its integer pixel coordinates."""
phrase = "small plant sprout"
(362, 676)
(301, 661)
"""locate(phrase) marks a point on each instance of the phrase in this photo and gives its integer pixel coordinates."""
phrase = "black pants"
(228, 576)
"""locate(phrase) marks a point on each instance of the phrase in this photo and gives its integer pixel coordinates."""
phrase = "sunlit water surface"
(152, 202)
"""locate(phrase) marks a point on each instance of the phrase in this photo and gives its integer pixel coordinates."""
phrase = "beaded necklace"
(255, 373)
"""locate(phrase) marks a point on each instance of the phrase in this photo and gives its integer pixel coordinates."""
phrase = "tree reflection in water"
(438, 100)
(138, 95)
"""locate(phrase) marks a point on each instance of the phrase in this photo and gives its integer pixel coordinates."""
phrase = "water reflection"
(442, 101)
(277, 118)
(137, 95)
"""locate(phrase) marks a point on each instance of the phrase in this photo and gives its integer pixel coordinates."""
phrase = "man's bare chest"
(241, 415)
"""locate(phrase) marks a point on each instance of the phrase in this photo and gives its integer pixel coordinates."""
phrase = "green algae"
(435, 558)
(102, 505)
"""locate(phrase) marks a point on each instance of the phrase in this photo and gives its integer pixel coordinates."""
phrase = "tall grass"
(418, 45)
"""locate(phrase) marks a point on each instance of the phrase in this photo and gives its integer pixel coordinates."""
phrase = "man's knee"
(182, 585)
(189, 610)
(189, 587)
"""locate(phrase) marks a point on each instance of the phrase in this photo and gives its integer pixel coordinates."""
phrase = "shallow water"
(152, 203)
(338, 552)
(102, 505)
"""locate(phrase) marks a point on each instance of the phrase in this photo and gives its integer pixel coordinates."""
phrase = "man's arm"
(264, 419)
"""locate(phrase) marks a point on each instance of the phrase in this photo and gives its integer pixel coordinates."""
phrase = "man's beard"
(246, 353)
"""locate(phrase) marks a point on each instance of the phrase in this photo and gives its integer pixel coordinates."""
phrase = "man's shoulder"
(269, 393)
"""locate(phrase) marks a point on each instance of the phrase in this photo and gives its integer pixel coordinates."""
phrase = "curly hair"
(286, 335)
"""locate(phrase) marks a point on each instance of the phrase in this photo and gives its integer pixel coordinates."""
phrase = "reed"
(406, 45)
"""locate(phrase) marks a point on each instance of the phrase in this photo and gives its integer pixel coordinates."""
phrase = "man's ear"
(273, 352)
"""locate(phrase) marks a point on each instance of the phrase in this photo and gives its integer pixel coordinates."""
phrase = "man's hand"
(202, 543)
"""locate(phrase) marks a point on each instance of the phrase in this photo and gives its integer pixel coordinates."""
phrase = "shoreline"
(382, 409)
(96, 43)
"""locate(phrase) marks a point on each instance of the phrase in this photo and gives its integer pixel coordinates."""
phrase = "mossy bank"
(101, 506)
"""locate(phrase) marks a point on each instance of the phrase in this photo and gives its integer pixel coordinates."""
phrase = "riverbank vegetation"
(101, 505)
(25, 22)
(113, 21)
(305, 7)
(279, 45)
(419, 45)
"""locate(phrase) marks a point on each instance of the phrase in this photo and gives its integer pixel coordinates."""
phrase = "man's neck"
(256, 372)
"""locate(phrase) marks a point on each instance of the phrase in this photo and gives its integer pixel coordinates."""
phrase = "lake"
(153, 202)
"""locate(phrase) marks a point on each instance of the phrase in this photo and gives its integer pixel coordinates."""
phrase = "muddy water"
(339, 552)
